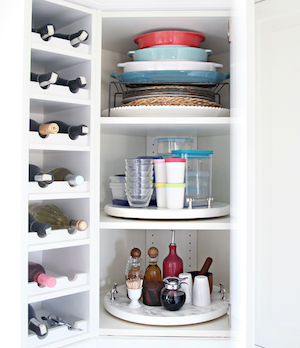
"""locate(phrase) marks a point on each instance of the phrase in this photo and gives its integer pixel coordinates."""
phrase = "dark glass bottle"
(35, 325)
(44, 80)
(46, 31)
(172, 264)
(76, 38)
(44, 129)
(36, 174)
(36, 273)
(73, 131)
(152, 280)
(41, 228)
(74, 85)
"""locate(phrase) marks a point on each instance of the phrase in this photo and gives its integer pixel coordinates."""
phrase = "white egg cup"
(134, 295)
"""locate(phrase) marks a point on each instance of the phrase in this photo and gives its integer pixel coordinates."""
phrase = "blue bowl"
(166, 52)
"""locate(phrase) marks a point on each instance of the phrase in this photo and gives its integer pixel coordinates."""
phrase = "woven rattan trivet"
(183, 101)
(170, 89)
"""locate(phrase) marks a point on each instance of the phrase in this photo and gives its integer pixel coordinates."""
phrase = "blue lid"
(192, 153)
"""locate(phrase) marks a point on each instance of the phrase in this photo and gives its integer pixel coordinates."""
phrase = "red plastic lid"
(175, 160)
(159, 160)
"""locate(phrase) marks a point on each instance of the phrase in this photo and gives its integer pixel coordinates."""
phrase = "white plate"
(153, 213)
(168, 65)
(166, 111)
(157, 315)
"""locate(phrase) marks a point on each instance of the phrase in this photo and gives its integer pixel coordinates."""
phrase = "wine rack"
(64, 255)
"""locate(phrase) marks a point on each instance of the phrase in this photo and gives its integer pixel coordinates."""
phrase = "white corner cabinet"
(90, 262)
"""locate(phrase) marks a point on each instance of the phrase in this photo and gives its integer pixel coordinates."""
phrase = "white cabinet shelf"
(154, 126)
(108, 222)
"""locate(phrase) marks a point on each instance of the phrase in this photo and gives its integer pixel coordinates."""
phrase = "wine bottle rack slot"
(59, 93)
(57, 187)
(57, 239)
(57, 140)
(60, 46)
(57, 333)
(63, 286)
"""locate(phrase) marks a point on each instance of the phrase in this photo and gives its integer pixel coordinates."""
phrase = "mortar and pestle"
(204, 271)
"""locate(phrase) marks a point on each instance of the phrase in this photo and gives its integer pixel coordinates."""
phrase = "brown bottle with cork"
(152, 280)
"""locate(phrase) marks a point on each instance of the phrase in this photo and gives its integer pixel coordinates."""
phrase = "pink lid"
(175, 160)
(159, 160)
(44, 279)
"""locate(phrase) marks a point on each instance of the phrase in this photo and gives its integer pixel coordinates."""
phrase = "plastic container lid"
(175, 185)
(175, 159)
(192, 153)
(159, 160)
(177, 139)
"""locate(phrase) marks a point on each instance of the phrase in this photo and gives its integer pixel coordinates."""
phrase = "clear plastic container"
(118, 190)
(198, 175)
(119, 178)
(165, 146)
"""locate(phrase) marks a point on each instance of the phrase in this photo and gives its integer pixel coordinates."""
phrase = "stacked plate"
(170, 57)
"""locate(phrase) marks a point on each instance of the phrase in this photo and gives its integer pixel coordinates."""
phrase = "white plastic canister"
(175, 170)
(175, 195)
(160, 170)
(160, 195)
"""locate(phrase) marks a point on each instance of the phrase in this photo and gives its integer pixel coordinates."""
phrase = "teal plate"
(184, 76)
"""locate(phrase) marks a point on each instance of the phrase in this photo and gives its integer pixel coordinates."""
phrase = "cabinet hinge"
(229, 31)
(229, 315)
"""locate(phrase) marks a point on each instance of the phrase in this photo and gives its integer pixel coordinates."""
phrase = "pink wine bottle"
(36, 273)
(172, 264)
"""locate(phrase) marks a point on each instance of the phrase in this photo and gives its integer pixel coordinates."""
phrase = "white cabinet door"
(277, 174)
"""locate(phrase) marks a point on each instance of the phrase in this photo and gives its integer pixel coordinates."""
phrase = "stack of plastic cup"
(139, 181)
(175, 186)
